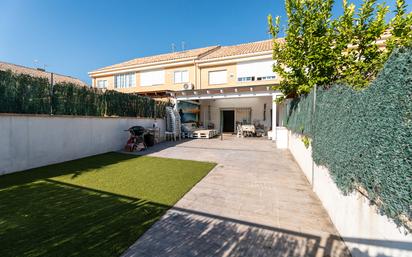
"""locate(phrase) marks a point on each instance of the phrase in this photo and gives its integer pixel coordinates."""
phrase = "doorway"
(228, 120)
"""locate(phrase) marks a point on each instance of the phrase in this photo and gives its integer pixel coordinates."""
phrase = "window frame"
(123, 80)
(266, 78)
(104, 83)
(143, 78)
(246, 79)
(220, 83)
(181, 76)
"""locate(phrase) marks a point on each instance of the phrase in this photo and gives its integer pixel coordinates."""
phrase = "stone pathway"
(256, 202)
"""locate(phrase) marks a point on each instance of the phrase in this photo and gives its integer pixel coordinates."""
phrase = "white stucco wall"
(255, 103)
(29, 141)
(365, 231)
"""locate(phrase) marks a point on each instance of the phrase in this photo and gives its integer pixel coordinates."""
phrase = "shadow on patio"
(183, 232)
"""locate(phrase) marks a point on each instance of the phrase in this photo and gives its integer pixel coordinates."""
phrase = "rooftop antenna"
(173, 47)
(37, 65)
(183, 45)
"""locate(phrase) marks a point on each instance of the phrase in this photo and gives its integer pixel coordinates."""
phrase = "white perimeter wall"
(29, 141)
(256, 103)
(365, 232)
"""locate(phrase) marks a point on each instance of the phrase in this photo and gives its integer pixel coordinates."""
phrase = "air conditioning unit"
(188, 86)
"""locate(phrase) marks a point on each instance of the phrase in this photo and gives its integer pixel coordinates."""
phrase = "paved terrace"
(256, 202)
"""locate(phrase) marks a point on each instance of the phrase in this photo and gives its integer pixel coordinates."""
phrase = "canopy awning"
(227, 92)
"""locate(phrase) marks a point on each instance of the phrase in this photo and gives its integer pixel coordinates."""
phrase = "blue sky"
(73, 37)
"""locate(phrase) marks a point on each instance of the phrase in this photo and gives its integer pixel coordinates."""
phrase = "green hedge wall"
(25, 94)
(365, 137)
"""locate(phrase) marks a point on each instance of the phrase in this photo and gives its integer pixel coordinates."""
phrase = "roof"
(204, 53)
(247, 48)
(194, 53)
(57, 78)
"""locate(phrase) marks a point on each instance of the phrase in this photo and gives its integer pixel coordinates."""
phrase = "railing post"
(312, 129)
(51, 92)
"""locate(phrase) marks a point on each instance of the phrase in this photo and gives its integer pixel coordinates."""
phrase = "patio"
(255, 202)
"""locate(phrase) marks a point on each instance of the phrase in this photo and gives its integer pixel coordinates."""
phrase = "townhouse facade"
(216, 86)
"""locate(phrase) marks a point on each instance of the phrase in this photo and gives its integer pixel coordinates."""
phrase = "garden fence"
(364, 137)
(20, 93)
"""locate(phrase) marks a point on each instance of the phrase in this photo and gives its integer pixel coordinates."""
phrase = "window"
(181, 76)
(152, 77)
(266, 78)
(125, 80)
(245, 79)
(217, 77)
(258, 70)
(102, 83)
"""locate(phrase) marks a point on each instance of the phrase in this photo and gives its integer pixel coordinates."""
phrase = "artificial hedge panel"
(25, 94)
(365, 137)
(70, 99)
(299, 114)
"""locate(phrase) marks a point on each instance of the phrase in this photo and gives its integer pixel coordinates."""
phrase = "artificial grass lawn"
(96, 206)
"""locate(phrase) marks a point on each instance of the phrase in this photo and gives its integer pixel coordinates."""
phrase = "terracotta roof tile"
(248, 48)
(57, 78)
(194, 53)
(199, 53)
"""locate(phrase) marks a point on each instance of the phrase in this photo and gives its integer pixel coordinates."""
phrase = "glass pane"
(178, 76)
(185, 76)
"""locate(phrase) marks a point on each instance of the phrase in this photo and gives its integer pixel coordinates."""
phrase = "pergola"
(230, 93)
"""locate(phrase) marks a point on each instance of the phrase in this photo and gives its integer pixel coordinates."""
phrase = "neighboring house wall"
(198, 76)
(59, 138)
(364, 230)
(255, 58)
(169, 80)
(230, 76)
(168, 84)
(109, 79)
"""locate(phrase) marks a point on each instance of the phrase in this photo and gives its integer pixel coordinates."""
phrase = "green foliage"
(320, 50)
(306, 58)
(364, 137)
(361, 58)
(306, 141)
(401, 27)
(25, 94)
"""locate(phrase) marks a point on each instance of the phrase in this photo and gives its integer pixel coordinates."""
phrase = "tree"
(362, 58)
(319, 50)
(401, 27)
(306, 56)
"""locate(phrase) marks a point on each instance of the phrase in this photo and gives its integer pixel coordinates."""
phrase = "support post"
(312, 125)
(274, 111)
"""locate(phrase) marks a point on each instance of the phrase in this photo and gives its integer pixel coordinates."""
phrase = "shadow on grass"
(76, 168)
(48, 218)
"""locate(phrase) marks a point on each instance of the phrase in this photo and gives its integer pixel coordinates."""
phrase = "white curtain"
(243, 115)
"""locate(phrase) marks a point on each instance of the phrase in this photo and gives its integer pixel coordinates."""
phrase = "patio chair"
(239, 130)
